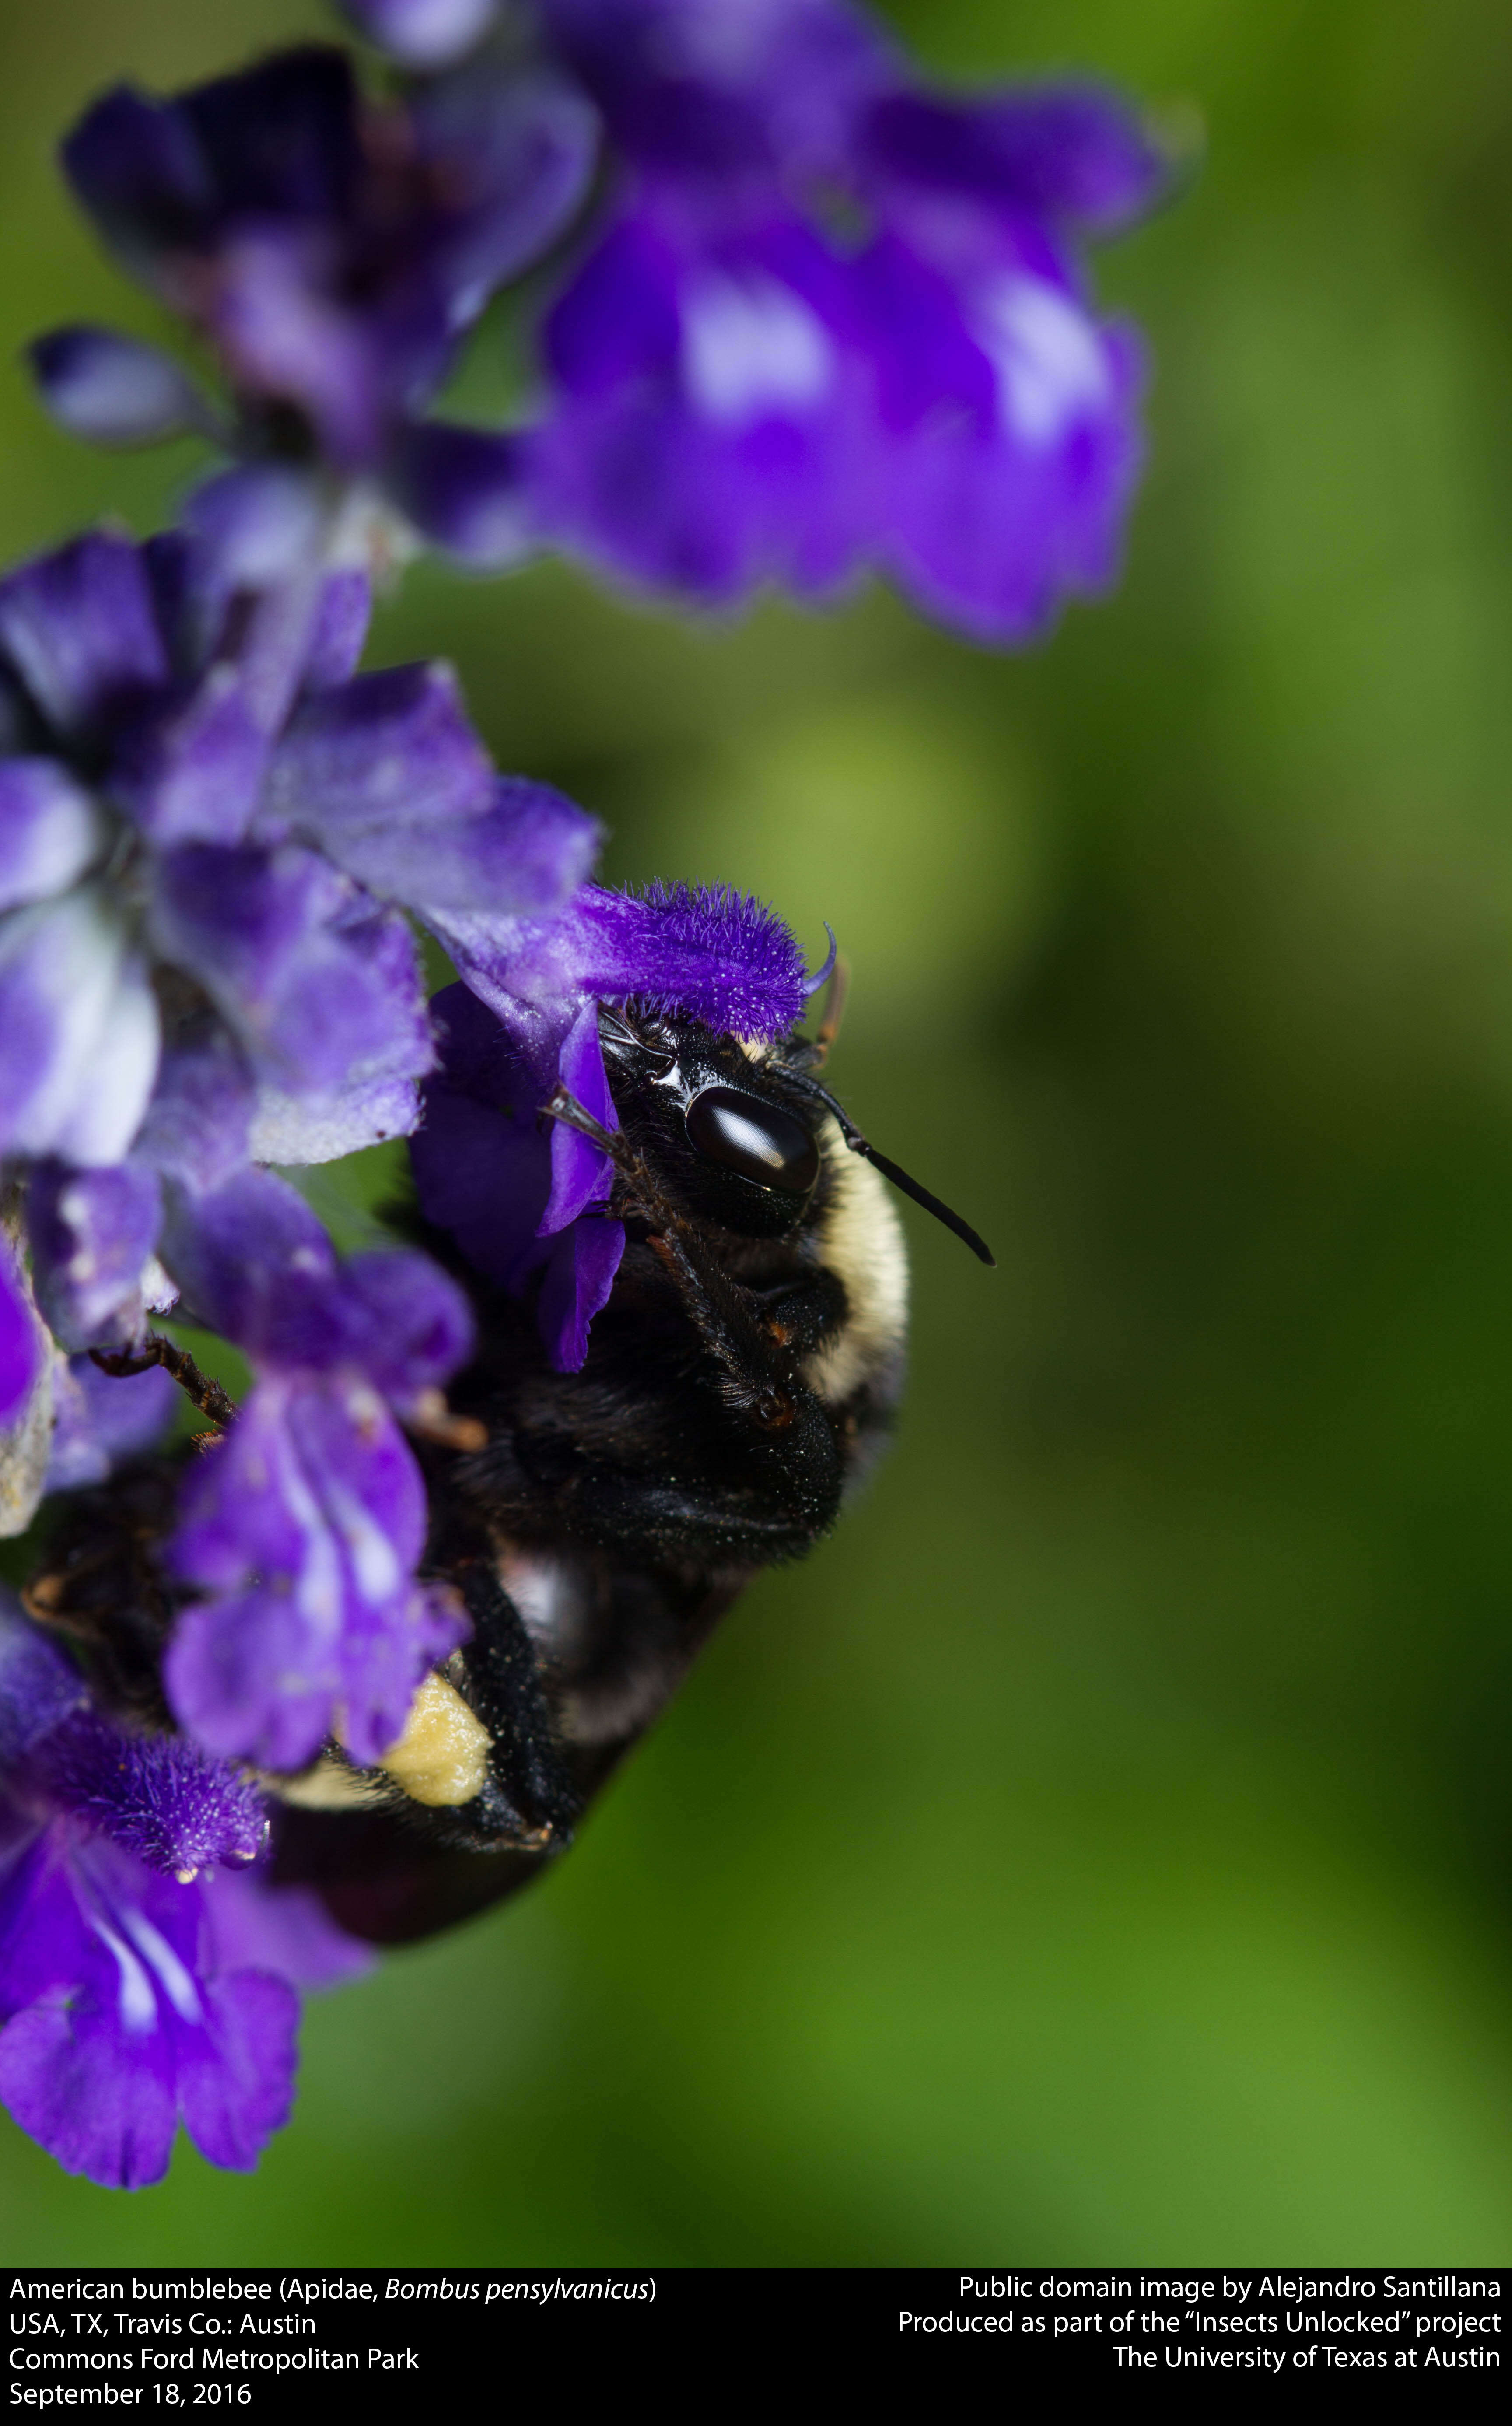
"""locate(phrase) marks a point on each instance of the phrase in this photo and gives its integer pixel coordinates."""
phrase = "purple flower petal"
(86, 2066)
(91, 1235)
(248, 1675)
(1066, 152)
(485, 1172)
(80, 630)
(127, 1999)
(254, 1926)
(743, 393)
(342, 619)
(534, 850)
(306, 1523)
(422, 33)
(515, 151)
(324, 1126)
(713, 425)
(19, 1346)
(520, 861)
(194, 773)
(115, 2028)
(579, 1278)
(236, 2075)
(481, 1161)
(721, 94)
(50, 829)
(1022, 499)
(385, 752)
(581, 1171)
(333, 249)
(255, 1264)
(39, 1687)
(463, 489)
(283, 136)
(100, 1417)
(111, 389)
(283, 337)
(79, 1032)
(140, 174)
(408, 1327)
(705, 950)
(198, 1124)
(254, 528)
(319, 989)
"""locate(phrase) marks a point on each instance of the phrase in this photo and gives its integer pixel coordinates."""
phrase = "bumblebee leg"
(530, 1797)
(758, 1362)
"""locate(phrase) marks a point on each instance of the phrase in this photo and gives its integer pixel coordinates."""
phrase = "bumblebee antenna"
(890, 1170)
(834, 1006)
(823, 973)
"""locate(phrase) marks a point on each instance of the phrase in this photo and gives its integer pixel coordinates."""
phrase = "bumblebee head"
(730, 1141)
(736, 1130)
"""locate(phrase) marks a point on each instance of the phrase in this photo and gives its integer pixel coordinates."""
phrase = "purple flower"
(137, 1988)
(835, 323)
(521, 1196)
(98, 1418)
(199, 786)
(333, 250)
(304, 1527)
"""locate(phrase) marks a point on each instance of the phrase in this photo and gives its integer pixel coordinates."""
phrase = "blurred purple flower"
(305, 1525)
(837, 323)
(332, 249)
(521, 1196)
(137, 1990)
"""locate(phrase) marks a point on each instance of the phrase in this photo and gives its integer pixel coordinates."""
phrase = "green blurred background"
(1100, 1851)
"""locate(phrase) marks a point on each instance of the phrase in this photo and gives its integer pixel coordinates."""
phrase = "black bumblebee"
(739, 1383)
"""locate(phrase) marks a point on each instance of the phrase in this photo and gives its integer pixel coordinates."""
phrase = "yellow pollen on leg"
(443, 1755)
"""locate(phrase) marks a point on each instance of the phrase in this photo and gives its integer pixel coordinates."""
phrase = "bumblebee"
(739, 1386)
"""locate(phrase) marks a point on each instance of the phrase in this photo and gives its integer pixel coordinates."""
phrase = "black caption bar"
(262, 2338)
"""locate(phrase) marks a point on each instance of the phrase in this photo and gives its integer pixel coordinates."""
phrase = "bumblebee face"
(727, 1143)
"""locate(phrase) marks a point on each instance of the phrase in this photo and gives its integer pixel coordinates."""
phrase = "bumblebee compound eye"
(759, 1140)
